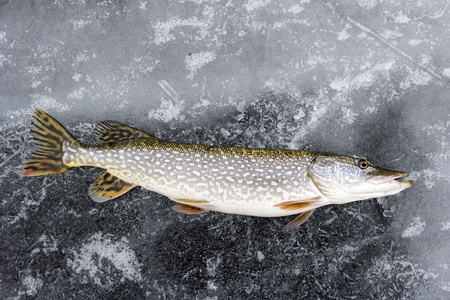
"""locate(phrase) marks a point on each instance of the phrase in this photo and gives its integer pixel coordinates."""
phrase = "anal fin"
(188, 209)
(108, 187)
(299, 220)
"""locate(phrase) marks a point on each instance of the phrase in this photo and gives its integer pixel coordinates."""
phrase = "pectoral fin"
(296, 205)
(108, 187)
(188, 209)
(299, 220)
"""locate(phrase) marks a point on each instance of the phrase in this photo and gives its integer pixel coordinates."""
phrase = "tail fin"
(49, 137)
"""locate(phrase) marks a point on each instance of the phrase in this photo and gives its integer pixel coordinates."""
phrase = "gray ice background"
(365, 78)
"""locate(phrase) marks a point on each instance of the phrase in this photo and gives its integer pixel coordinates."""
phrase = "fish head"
(343, 179)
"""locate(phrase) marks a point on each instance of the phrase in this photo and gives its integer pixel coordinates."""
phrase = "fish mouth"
(398, 177)
(390, 177)
(406, 184)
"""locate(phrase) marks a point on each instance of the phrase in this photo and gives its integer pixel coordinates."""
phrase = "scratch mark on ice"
(169, 90)
(440, 13)
(384, 41)
(12, 155)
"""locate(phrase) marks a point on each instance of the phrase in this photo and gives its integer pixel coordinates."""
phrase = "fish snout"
(381, 176)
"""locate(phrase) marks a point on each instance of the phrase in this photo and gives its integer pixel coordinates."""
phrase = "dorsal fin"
(113, 132)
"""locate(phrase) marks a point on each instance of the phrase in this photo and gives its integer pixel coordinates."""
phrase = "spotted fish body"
(248, 181)
(233, 180)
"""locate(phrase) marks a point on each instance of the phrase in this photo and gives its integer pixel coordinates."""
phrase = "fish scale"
(248, 181)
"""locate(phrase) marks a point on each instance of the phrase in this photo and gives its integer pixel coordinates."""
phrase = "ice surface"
(366, 78)
(99, 250)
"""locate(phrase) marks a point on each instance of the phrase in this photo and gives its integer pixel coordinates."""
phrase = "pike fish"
(200, 178)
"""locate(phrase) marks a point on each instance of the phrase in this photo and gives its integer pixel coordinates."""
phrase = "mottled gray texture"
(364, 78)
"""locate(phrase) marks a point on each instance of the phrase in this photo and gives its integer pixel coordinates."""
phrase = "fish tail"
(50, 139)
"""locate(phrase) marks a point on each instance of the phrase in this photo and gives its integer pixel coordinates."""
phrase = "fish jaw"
(379, 186)
(384, 175)
(389, 183)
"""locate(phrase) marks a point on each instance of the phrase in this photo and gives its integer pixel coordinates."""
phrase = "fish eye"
(363, 164)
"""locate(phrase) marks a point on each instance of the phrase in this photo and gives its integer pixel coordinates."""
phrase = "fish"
(199, 178)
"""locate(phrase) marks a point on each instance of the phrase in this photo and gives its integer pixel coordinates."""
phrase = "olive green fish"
(245, 181)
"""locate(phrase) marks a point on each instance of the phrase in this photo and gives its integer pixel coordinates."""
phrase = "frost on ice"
(415, 228)
(195, 61)
(99, 254)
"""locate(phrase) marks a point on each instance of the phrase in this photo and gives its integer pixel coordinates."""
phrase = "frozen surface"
(366, 78)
